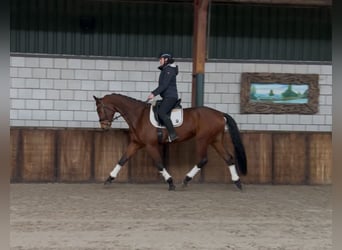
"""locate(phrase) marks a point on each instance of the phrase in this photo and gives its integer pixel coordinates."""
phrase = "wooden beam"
(281, 2)
(199, 43)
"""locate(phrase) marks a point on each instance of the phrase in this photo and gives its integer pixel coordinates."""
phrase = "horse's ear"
(97, 100)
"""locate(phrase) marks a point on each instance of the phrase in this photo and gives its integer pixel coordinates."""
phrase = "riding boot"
(172, 133)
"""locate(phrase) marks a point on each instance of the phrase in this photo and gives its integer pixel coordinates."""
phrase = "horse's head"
(105, 112)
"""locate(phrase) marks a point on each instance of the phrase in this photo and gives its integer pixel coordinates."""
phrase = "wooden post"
(199, 50)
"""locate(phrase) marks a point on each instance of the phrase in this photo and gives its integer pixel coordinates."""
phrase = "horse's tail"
(240, 154)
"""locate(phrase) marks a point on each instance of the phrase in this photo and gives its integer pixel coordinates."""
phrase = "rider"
(167, 89)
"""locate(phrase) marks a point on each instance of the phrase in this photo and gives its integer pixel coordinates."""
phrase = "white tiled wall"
(57, 92)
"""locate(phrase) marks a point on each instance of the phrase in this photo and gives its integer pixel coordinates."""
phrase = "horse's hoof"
(185, 184)
(109, 180)
(172, 188)
(238, 184)
(186, 181)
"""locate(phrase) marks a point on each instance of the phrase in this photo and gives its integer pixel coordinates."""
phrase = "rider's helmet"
(167, 56)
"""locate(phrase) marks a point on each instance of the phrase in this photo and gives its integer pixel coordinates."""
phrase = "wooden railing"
(88, 155)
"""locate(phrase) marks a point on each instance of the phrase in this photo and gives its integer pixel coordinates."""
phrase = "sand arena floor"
(149, 217)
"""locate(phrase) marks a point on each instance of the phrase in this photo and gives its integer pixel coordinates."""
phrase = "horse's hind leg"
(191, 174)
(228, 158)
(202, 148)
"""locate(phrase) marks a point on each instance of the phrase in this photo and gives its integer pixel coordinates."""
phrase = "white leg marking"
(165, 174)
(115, 171)
(193, 171)
(233, 173)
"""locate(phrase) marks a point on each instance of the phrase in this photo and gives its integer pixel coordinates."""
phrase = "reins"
(104, 107)
(117, 117)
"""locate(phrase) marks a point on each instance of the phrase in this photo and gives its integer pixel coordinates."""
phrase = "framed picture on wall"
(279, 93)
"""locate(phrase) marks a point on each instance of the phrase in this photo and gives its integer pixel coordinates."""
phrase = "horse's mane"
(130, 98)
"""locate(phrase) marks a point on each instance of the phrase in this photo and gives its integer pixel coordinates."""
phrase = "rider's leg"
(164, 109)
(171, 131)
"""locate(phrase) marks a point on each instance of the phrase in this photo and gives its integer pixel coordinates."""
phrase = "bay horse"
(207, 125)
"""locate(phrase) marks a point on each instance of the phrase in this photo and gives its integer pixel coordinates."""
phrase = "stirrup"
(169, 139)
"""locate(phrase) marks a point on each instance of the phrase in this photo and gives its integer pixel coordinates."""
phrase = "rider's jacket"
(167, 85)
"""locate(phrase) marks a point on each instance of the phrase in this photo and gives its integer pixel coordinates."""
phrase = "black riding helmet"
(167, 56)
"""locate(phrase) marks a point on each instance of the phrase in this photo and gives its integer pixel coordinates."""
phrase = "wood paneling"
(109, 147)
(38, 153)
(216, 169)
(15, 154)
(75, 152)
(80, 155)
(289, 158)
(142, 168)
(320, 158)
(258, 148)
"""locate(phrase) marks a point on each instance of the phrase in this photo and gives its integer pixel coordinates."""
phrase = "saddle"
(176, 114)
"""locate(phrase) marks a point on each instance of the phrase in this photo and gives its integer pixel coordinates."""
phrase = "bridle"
(106, 120)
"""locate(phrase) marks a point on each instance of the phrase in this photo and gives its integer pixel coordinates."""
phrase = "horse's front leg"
(131, 150)
(155, 154)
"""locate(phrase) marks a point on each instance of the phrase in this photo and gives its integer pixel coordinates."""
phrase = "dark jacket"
(167, 84)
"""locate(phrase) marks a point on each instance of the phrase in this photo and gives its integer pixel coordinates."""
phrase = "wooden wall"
(81, 155)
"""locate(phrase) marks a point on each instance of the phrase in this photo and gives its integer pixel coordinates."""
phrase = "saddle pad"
(176, 118)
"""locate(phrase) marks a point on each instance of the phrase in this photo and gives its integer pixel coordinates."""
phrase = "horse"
(205, 124)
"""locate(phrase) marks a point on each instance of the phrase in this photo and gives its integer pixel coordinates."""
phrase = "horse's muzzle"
(105, 125)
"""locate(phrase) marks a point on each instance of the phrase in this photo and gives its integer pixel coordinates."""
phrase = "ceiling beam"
(280, 2)
(268, 2)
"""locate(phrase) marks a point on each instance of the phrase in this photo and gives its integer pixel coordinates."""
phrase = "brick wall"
(57, 92)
